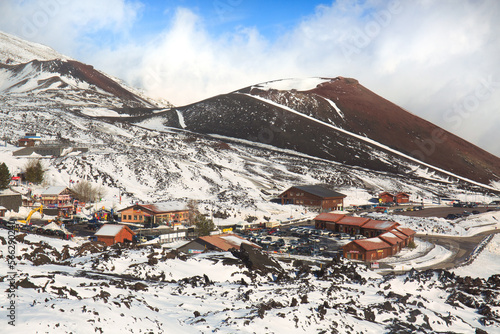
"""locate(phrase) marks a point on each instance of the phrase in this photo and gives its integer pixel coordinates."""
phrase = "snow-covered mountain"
(339, 120)
(234, 152)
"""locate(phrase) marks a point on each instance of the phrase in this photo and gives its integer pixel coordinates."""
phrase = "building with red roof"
(373, 228)
(367, 249)
(327, 220)
(220, 242)
(351, 225)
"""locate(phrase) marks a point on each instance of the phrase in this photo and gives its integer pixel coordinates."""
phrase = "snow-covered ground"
(145, 290)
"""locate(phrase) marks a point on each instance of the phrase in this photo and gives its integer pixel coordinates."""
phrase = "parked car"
(343, 236)
(359, 236)
(451, 216)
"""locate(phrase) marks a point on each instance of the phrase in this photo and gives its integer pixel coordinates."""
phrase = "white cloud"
(427, 56)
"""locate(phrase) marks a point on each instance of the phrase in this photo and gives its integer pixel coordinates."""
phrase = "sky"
(438, 59)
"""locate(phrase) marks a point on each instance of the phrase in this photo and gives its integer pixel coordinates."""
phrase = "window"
(135, 217)
(129, 217)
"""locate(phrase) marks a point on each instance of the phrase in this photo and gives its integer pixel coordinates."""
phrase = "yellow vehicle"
(27, 221)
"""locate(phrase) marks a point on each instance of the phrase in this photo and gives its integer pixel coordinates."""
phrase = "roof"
(380, 225)
(356, 221)
(161, 207)
(390, 238)
(227, 241)
(111, 230)
(399, 234)
(3, 208)
(406, 231)
(402, 194)
(318, 191)
(53, 190)
(330, 217)
(372, 243)
(385, 193)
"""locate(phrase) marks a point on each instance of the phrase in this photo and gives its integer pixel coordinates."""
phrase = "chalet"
(351, 225)
(111, 234)
(313, 195)
(402, 198)
(171, 213)
(373, 228)
(60, 199)
(220, 243)
(56, 197)
(404, 238)
(2, 211)
(367, 249)
(327, 220)
(409, 233)
(392, 239)
(385, 197)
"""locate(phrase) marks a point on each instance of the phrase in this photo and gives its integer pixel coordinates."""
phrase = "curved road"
(461, 247)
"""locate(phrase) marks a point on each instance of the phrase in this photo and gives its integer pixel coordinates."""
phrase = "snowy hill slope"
(29, 70)
(65, 287)
(234, 152)
(339, 120)
(14, 50)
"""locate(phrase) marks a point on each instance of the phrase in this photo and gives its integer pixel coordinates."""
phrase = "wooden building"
(220, 243)
(402, 198)
(314, 195)
(2, 211)
(111, 234)
(351, 225)
(170, 213)
(373, 228)
(385, 197)
(327, 221)
(367, 249)
(392, 239)
(409, 233)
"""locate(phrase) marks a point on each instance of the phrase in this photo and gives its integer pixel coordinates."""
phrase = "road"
(461, 247)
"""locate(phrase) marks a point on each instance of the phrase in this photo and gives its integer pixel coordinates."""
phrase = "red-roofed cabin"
(222, 242)
(374, 228)
(367, 249)
(392, 239)
(408, 232)
(351, 225)
(402, 198)
(385, 197)
(327, 220)
(111, 234)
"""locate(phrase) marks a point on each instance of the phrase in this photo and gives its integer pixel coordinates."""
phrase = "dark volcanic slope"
(241, 115)
(74, 70)
(385, 122)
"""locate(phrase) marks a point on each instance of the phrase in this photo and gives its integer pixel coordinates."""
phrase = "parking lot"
(299, 240)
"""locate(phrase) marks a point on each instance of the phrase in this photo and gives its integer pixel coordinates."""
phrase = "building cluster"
(380, 238)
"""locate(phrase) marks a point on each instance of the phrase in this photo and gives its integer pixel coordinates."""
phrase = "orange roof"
(330, 217)
(380, 225)
(356, 221)
(390, 238)
(372, 243)
(227, 241)
(399, 234)
(406, 231)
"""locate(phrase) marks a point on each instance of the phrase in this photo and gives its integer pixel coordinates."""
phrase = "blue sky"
(436, 58)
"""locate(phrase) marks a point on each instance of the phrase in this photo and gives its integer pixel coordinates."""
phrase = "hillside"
(339, 120)
(233, 152)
